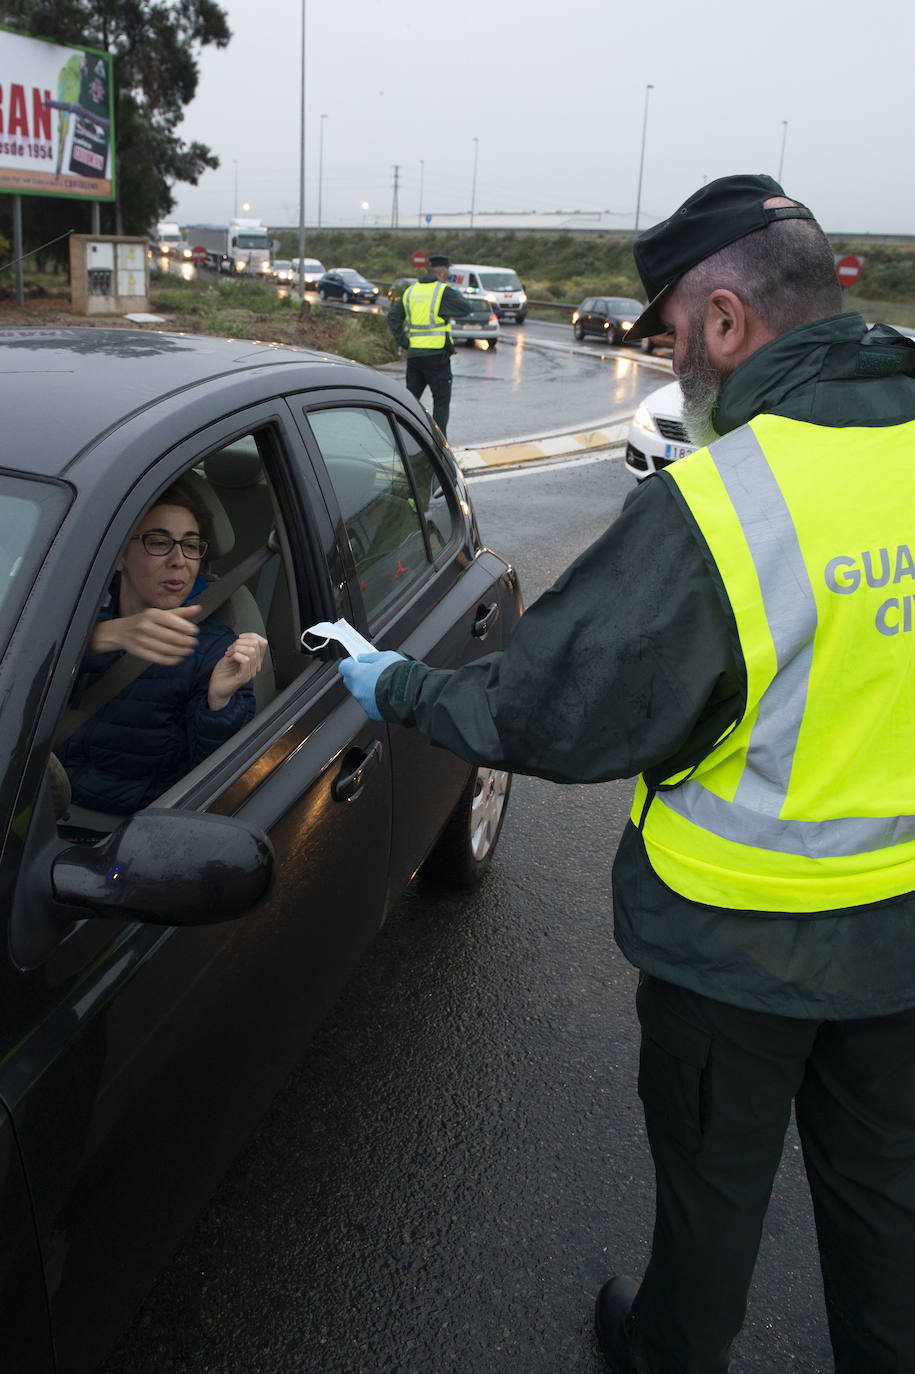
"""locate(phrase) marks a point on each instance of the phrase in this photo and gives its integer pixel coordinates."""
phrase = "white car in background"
(657, 436)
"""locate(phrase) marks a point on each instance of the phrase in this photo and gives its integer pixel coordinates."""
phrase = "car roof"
(72, 385)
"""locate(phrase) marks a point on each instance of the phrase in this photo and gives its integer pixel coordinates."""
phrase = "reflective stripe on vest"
(730, 833)
(425, 326)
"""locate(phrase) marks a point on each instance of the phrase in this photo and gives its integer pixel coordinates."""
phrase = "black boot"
(611, 1319)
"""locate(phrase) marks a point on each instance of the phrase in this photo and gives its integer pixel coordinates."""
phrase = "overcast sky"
(554, 93)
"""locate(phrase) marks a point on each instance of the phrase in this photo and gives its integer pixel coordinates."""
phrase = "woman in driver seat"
(197, 691)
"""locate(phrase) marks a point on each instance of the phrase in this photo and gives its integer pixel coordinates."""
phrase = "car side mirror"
(171, 868)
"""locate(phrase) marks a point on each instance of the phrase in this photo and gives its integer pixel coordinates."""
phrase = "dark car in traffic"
(346, 284)
(605, 317)
(162, 971)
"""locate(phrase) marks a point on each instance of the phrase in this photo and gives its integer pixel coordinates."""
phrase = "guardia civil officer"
(743, 638)
(419, 321)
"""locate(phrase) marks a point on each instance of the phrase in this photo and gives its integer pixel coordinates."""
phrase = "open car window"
(114, 747)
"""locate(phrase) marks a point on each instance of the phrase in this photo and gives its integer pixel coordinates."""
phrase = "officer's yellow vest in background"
(425, 326)
(808, 803)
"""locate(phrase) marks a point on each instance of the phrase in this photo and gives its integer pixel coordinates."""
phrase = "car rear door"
(419, 582)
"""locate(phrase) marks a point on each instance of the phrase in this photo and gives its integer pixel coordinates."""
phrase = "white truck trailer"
(240, 246)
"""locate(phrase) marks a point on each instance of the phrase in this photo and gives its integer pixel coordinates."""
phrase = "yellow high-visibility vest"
(808, 803)
(425, 326)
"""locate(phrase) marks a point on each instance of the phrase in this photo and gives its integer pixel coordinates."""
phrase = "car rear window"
(30, 512)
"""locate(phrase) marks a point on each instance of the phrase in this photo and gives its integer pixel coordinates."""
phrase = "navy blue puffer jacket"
(155, 730)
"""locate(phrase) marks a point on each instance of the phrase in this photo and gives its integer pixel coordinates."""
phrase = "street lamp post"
(320, 167)
(302, 168)
(638, 196)
(473, 191)
(781, 160)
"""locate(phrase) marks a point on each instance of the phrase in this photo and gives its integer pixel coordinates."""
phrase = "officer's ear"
(733, 330)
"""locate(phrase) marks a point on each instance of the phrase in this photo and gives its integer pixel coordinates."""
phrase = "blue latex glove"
(361, 674)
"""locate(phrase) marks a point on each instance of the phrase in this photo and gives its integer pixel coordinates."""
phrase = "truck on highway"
(240, 246)
(169, 240)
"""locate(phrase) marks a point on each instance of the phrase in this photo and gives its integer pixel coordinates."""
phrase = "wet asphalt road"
(459, 1160)
(538, 381)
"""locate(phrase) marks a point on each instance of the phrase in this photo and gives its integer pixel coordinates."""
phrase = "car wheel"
(492, 345)
(322, 293)
(346, 298)
(519, 319)
(578, 331)
(647, 345)
(465, 848)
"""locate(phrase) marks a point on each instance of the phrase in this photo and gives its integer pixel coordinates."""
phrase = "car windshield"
(252, 241)
(282, 263)
(312, 265)
(29, 515)
(500, 281)
(624, 306)
(349, 274)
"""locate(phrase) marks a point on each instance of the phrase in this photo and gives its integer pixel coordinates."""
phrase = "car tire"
(578, 331)
(492, 345)
(647, 345)
(322, 293)
(520, 318)
(465, 848)
(346, 298)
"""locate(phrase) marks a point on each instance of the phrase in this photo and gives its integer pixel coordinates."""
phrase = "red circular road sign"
(848, 269)
(198, 255)
(419, 258)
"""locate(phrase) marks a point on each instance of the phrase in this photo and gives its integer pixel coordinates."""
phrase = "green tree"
(155, 44)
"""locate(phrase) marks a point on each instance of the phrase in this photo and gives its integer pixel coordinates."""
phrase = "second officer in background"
(419, 322)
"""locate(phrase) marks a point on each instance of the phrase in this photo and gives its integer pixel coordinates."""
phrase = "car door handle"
(350, 781)
(486, 618)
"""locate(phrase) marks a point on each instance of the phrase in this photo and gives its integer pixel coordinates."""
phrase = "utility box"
(109, 275)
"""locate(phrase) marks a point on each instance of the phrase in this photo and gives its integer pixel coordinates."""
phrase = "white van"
(500, 286)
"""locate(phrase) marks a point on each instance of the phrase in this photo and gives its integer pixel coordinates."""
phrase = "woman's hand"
(164, 637)
(240, 663)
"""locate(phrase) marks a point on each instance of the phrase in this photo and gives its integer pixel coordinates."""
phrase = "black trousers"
(717, 1083)
(432, 371)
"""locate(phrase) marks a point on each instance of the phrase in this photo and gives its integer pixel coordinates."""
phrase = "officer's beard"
(700, 383)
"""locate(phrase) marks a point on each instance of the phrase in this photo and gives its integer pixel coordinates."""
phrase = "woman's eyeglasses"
(159, 543)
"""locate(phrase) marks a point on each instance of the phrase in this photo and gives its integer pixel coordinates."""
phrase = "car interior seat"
(236, 476)
(240, 611)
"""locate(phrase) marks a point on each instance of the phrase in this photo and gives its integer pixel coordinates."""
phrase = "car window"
(430, 494)
(500, 281)
(472, 281)
(29, 514)
(380, 507)
(116, 743)
(586, 305)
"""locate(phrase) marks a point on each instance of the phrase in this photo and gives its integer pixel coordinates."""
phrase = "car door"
(419, 581)
(138, 1054)
(597, 322)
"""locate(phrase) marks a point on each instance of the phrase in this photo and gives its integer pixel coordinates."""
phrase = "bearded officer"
(742, 637)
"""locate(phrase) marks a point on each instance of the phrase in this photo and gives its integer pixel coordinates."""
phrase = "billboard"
(56, 119)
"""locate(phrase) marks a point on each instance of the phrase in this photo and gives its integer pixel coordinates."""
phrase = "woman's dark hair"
(181, 493)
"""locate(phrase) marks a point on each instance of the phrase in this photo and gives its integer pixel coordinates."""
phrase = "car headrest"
(220, 533)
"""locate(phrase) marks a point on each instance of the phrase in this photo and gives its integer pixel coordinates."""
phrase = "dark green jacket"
(631, 663)
(453, 307)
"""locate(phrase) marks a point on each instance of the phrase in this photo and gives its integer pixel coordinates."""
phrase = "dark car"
(481, 323)
(605, 317)
(345, 283)
(161, 972)
(398, 287)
